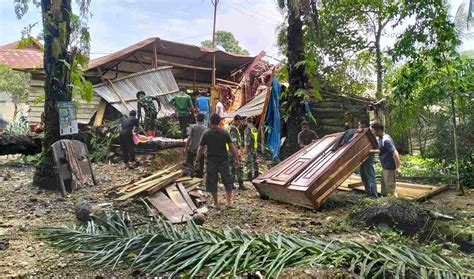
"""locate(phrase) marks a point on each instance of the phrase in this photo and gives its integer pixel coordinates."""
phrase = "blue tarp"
(272, 120)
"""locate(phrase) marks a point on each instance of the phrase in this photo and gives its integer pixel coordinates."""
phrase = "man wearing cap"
(146, 102)
(236, 170)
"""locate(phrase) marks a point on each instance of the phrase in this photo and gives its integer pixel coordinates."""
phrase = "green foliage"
(15, 84)
(18, 127)
(228, 42)
(100, 145)
(162, 248)
(169, 127)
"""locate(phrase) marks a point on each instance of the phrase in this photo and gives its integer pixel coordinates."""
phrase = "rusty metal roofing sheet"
(253, 108)
(133, 58)
(156, 82)
(309, 176)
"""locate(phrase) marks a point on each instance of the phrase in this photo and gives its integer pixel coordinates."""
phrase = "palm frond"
(162, 248)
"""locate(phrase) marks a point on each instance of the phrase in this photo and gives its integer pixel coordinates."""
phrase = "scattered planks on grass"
(178, 198)
(151, 186)
(186, 196)
(411, 191)
(167, 208)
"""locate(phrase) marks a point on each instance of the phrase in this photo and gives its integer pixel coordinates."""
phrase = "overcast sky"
(116, 24)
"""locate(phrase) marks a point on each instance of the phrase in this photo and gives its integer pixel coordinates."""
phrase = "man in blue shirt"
(203, 106)
(367, 170)
(389, 158)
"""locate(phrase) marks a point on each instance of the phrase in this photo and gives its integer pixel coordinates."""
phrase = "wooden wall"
(84, 113)
(333, 111)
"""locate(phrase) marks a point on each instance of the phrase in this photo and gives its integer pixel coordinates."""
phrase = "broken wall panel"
(312, 174)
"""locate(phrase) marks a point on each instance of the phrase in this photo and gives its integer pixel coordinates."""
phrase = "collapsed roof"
(190, 63)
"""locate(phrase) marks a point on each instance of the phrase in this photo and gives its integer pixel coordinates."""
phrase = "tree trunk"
(297, 80)
(56, 30)
(459, 185)
(378, 59)
(15, 110)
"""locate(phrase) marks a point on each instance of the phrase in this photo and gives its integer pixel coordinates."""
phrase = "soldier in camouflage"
(236, 172)
(250, 147)
(150, 121)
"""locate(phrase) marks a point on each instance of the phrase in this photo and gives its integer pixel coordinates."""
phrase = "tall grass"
(162, 248)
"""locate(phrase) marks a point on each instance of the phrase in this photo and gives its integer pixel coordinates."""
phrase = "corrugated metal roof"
(156, 82)
(250, 109)
(136, 57)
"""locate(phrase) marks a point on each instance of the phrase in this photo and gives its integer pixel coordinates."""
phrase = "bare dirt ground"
(23, 208)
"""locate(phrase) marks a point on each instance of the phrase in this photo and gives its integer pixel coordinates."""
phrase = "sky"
(116, 24)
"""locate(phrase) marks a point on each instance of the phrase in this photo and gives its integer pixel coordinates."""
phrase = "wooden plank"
(178, 199)
(155, 175)
(184, 178)
(186, 196)
(166, 207)
(99, 116)
(119, 96)
(183, 65)
(162, 180)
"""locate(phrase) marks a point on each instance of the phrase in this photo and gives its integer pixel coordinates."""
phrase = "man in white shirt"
(220, 110)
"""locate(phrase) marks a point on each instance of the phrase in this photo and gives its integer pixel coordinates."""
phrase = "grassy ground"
(24, 208)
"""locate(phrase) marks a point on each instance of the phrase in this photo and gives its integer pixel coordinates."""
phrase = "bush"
(18, 127)
(169, 128)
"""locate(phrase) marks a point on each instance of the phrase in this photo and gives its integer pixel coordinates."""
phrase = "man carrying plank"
(215, 140)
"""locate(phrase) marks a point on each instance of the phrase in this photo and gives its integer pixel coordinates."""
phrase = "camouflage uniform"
(236, 172)
(251, 159)
(150, 121)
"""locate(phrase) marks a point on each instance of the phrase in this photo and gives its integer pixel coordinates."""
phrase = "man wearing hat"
(146, 102)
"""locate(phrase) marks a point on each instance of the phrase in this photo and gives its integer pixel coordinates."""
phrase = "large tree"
(293, 103)
(227, 41)
(62, 66)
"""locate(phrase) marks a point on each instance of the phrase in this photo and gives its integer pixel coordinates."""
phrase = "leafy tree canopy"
(15, 84)
(227, 41)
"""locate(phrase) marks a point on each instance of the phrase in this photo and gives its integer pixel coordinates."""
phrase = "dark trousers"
(213, 170)
(126, 145)
(367, 173)
(190, 158)
(184, 122)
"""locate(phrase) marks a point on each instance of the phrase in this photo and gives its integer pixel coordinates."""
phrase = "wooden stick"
(119, 96)
(227, 81)
(160, 173)
(161, 183)
(184, 66)
(170, 179)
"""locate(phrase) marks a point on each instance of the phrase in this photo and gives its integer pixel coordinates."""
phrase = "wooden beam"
(99, 116)
(155, 52)
(184, 66)
(144, 67)
(227, 81)
(119, 96)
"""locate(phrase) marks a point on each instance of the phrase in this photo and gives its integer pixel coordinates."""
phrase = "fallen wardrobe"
(311, 175)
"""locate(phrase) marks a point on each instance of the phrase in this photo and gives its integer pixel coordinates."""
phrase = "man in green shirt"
(184, 111)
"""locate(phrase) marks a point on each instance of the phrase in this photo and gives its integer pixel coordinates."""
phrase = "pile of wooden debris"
(177, 198)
